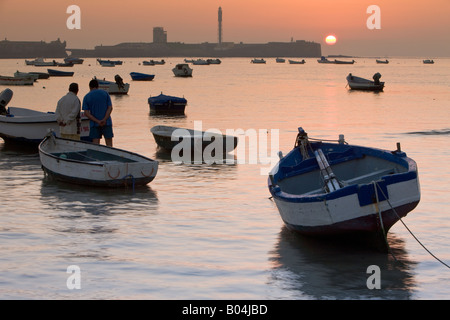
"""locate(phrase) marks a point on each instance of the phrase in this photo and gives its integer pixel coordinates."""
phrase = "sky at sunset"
(408, 27)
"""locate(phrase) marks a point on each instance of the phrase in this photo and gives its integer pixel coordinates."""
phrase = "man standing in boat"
(97, 107)
(68, 114)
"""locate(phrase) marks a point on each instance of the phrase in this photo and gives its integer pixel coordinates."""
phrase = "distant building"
(32, 49)
(299, 48)
(159, 35)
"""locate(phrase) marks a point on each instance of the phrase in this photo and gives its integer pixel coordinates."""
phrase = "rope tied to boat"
(377, 204)
(404, 224)
(125, 181)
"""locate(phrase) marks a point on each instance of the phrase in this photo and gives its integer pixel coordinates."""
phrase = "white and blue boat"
(335, 189)
(164, 104)
(137, 76)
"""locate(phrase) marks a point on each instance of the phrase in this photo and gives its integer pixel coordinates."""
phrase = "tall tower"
(220, 25)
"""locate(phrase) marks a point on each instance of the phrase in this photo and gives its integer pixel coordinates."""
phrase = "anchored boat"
(182, 70)
(114, 87)
(58, 73)
(335, 189)
(168, 137)
(22, 125)
(95, 165)
(357, 83)
(164, 104)
(138, 76)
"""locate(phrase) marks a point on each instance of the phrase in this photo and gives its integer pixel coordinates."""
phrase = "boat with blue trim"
(336, 189)
(58, 73)
(164, 104)
(137, 76)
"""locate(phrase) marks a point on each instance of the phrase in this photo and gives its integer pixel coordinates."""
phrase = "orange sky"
(408, 27)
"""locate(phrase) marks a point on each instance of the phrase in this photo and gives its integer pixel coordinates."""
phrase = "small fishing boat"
(168, 137)
(16, 81)
(164, 104)
(19, 74)
(95, 165)
(40, 62)
(343, 62)
(357, 83)
(280, 60)
(22, 125)
(41, 75)
(258, 60)
(153, 62)
(114, 87)
(428, 61)
(297, 62)
(74, 60)
(331, 189)
(214, 61)
(200, 62)
(182, 70)
(64, 64)
(109, 62)
(324, 60)
(58, 73)
(382, 61)
(137, 76)
(160, 62)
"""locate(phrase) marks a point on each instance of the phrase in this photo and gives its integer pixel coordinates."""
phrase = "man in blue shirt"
(97, 107)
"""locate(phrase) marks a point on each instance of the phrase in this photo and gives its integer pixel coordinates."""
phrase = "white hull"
(96, 165)
(16, 81)
(32, 126)
(182, 70)
(341, 210)
(113, 88)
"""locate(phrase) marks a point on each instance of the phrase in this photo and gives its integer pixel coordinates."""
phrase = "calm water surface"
(211, 231)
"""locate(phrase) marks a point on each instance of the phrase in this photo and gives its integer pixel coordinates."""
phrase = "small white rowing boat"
(96, 165)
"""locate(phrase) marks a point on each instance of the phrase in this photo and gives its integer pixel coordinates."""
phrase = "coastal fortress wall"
(32, 49)
(298, 49)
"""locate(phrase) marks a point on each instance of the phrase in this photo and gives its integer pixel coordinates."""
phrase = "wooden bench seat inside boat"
(90, 155)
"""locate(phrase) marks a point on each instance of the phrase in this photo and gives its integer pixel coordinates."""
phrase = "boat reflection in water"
(311, 268)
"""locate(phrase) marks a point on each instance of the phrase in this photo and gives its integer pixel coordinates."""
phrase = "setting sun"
(330, 40)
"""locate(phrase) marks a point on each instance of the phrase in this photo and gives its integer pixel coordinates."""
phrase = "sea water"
(211, 231)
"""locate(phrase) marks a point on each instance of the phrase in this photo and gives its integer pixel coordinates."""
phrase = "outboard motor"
(376, 78)
(5, 98)
(119, 81)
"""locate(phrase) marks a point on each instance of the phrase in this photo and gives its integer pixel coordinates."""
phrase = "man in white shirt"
(68, 114)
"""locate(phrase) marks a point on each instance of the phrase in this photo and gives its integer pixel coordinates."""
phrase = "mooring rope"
(132, 180)
(404, 224)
